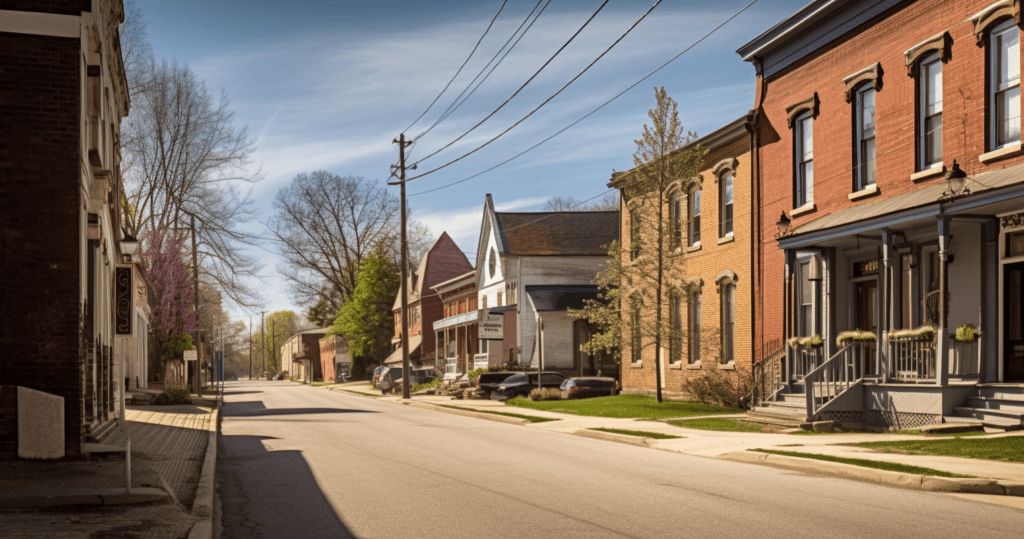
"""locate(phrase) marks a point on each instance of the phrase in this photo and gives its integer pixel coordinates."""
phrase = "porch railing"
(913, 359)
(769, 376)
(806, 360)
(836, 376)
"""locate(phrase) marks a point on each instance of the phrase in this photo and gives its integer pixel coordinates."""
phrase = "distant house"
(456, 334)
(300, 355)
(532, 267)
(335, 359)
(443, 261)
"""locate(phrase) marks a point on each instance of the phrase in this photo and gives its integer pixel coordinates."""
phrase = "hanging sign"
(191, 355)
(123, 300)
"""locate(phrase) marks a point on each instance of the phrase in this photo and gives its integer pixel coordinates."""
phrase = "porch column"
(829, 330)
(989, 365)
(787, 314)
(885, 307)
(942, 353)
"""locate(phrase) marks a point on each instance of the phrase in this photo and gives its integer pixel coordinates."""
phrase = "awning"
(396, 357)
(459, 319)
(560, 298)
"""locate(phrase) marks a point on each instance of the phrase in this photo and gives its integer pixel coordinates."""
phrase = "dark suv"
(520, 385)
(390, 381)
(581, 388)
(489, 381)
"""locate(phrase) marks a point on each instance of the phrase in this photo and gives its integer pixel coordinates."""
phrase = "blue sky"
(328, 85)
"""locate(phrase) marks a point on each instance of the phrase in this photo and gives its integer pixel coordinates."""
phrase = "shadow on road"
(271, 493)
(258, 409)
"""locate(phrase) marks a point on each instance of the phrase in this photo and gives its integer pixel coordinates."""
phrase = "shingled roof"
(566, 233)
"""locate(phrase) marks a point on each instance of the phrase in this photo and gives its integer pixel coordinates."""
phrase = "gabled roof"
(442, 261)
(567, 233)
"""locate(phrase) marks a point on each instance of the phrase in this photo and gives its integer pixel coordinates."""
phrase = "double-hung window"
(635, 336)
(676, 322)
(1004, 86)
(694, 207)
(805, 298)
(725, 205)
(728, 296)
(634, 234)
(675, 211)
(929, 126)
(693, 326)
(865, 142)
(804, 159)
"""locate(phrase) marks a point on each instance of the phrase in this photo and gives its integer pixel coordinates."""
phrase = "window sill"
(995, 155)
(728, 239)
(694, 248)
(693, 366)
(637, 365)
(870, 190)
(928, 173)
(802, 210)
(677, 365)
(727, 366)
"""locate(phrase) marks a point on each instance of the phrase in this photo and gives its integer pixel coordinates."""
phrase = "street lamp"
(783, 225)
(129, 246)
(955, 179)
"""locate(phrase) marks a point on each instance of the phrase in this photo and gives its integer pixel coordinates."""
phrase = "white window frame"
(803, 161)
(675, 210)
(864, 138)
(693, 205)
(928, 64)
(727, 305)
(997, 36)
(726, 180)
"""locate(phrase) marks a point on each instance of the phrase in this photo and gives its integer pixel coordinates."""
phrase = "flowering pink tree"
(174, 316)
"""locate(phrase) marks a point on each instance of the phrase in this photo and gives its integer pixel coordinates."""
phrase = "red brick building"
(861, 112)
(335, 359)
(62, 96)
(443, 261)
(456, 334)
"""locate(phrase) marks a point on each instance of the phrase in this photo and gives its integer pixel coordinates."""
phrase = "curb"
(928, 483)
(206, 489)
(470, 413)
(613, 437)
(108, 496)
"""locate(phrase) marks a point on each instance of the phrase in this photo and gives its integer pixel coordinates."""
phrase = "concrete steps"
(995, 406)
(790, 411)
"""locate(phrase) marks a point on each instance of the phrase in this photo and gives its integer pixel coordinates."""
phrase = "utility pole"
(402, 145)
(197, 377)
(263, 343)
(250, 347)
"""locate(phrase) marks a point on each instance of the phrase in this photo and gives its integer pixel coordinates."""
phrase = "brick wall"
(882, 40)
(40, 205)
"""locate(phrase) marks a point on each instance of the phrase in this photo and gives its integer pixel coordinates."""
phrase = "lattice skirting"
(900, 420)
(842, 416)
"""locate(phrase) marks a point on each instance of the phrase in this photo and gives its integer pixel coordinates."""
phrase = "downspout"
(755, 225)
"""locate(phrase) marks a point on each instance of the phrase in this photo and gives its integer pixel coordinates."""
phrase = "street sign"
(191, 355)
(492, 326)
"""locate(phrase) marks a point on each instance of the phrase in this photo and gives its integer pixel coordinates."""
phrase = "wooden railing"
(912, 359)
(836, 376)
(806, 360)
(769, 376)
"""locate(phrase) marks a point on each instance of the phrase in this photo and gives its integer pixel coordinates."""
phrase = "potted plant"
(857, 335)
(967, 333)
(921, 333)
(814, 341)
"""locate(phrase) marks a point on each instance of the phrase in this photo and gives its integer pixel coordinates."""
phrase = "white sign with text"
(492, 326)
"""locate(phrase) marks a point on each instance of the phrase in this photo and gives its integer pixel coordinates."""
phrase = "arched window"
(693, 209)
(725, 206)
(675, 211)
(727, 297)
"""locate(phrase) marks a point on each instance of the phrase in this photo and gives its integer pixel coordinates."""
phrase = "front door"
(1013, 322)
(867, 315)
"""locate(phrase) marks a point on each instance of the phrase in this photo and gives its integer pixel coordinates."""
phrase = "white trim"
(40, 24)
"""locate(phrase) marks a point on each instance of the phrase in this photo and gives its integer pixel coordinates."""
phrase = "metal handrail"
(834, 377)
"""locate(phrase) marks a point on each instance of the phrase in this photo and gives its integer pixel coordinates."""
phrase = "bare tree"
(136, 51)
(184, 158)
(609, 202)
(326, 225)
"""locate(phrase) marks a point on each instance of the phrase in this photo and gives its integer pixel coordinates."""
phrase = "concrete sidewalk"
(168, 446)
(717, 444)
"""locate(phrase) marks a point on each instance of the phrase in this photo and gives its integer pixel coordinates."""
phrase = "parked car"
(583, 387)
(489, 381)
(390, 381)
(520, 385)
(376, 375)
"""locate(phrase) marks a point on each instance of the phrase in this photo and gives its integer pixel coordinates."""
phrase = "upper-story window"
(694, 210)
(725, 184)
(634, 234)
(675, 210)
(865, 136)
(1004, 87)
(803, 155)
(929, 127)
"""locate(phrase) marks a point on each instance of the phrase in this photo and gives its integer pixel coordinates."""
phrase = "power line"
(456, 104)
(495, 111)
(460, 67)
(546, 101)
(587, 115)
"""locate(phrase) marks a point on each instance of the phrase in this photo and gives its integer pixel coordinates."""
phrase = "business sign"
(492, 326)
(123, 300)
(191, 355)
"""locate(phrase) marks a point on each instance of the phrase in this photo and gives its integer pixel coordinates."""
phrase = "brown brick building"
(62, 96)
(861, 112)
(710, 225)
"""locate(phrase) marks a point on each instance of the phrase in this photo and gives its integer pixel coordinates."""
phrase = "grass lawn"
(720, 424)
(1009, 448)
(624, 406)
(530, 418)
(890, 466)
(641, 433)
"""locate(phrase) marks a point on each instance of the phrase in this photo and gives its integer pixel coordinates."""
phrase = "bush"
(174, 396)
(716, 388)
(425, 385)
(546, 394)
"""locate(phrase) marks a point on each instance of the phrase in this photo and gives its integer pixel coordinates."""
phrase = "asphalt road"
(298, 461)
